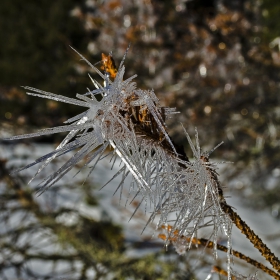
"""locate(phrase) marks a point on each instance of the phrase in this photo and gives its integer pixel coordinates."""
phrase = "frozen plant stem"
(185, 193)
(254, 239)
(246, 230)
(209, 244)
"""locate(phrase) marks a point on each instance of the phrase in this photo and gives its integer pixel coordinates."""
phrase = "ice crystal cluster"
(183, 193)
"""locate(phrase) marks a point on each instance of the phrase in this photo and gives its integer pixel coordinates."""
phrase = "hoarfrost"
(131, 121)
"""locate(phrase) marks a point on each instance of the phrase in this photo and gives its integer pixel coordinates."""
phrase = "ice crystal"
(236, 276)
(242, 277)
(131, 121)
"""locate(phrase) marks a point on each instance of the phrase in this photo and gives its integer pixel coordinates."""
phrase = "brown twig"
(209, 244)
(243, 227)
(254, 239)
(221, 271)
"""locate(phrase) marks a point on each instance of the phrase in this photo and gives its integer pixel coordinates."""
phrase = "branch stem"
(254, 239)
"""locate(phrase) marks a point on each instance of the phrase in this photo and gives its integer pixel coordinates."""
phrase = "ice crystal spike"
(122, 119)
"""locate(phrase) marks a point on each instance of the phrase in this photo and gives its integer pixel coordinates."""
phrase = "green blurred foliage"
(271, 24)
(35, 51)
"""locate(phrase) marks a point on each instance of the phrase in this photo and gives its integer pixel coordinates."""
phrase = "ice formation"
(180, 192)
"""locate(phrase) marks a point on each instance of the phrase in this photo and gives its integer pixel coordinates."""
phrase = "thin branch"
(254, 239)
(209, 244)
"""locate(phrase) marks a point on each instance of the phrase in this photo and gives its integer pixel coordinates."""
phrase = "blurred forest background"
(217, 61)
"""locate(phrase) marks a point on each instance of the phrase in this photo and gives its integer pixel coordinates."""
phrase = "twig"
(254, 239)
(209, 244)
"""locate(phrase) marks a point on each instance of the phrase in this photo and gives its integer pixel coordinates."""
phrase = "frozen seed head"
(181, 193)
